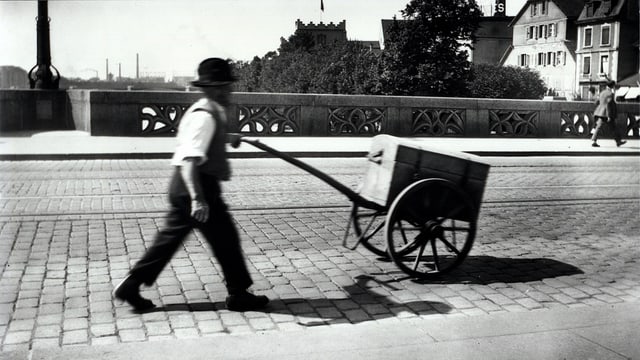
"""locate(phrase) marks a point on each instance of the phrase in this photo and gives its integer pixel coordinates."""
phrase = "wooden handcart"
(417, 205)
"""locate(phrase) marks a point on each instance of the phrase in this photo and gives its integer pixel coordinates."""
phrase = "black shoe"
(245, 301)
(595, 145)
(621, 143)
(129, 291)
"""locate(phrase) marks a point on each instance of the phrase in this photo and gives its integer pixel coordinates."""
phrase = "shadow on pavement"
(489, 269)
(338, 310)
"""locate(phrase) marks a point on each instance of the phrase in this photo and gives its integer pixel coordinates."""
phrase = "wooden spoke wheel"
(367, 225)
(430, 228)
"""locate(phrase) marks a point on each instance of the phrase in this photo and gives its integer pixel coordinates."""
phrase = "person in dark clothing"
(606, 112)
(200, 162)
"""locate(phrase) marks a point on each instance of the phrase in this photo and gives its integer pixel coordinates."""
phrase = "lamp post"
(42, 75)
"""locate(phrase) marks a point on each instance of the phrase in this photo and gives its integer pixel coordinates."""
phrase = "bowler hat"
(214, 72)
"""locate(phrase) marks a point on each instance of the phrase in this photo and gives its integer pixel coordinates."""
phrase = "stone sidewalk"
(61, 145)
(60, 271)
(545, 279)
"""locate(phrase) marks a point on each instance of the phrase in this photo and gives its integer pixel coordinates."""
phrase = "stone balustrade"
(158, 113)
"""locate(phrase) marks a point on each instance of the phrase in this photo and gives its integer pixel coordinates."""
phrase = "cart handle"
(352, 195)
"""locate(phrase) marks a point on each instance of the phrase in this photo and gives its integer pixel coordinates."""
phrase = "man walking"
(605, 113)
(200, 162)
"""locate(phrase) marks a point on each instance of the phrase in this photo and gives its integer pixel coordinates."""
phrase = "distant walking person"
(605, 113)
(200, 162)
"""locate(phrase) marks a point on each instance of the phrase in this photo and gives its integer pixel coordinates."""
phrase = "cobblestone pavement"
(551, 234)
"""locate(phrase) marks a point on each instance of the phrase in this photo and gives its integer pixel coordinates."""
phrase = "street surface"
(553, 233)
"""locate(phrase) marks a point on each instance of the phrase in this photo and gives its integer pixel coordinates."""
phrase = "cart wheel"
(430, 228)
(368, 225)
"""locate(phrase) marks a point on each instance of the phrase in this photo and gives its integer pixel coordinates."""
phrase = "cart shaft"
(352, 195)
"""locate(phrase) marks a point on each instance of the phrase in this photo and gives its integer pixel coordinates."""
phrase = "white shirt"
(195, 132)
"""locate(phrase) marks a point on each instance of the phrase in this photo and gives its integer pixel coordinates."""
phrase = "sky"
(172, 36)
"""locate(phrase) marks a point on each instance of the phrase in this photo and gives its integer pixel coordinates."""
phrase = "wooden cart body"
(396, 163)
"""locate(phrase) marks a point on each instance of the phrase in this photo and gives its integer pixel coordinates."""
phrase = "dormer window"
(592, 6)
(542, 10)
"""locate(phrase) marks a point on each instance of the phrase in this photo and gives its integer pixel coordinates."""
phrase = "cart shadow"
(348, 309)
(489, 269)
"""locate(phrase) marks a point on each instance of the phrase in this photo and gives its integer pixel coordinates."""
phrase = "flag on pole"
(321, 5)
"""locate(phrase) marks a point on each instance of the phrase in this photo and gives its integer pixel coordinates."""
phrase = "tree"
(426, 53)
(505, 82)
(300, 66)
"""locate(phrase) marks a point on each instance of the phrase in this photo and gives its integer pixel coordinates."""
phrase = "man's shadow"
(360, 295)
(482, 270)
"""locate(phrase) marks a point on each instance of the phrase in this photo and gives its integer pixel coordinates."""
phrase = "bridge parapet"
(158, 113)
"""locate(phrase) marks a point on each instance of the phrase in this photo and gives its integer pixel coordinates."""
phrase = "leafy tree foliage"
(505, 82)
(301, 66)
(425, 54)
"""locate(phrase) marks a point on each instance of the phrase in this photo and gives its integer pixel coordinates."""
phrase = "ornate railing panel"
(356, 121)
(633, 125)
(513, 123)
(438, 122)
(576, 123)
(269, 120)
(158, 120)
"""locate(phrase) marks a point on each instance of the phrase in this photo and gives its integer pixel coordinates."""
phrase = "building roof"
(571, 8)
(633, 80)
(494, 27)
(605, 10)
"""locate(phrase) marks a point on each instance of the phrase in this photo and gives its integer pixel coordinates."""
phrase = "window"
(544, 59)
(534, 9)
(604, 64)
(586, 65)
(588, 32)
(543, 9)
(529, 33)
(605, 35)
(523, 60)
(552, 30)
(558, 58)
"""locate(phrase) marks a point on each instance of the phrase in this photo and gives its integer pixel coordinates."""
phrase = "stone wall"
(157, 113)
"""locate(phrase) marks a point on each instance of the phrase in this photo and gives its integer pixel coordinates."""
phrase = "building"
(324, 34)
(331, 33)
(607, 45)
(492, 40)
(544, 39)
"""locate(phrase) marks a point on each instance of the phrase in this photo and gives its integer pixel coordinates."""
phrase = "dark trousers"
(611, 123)
(219, 231)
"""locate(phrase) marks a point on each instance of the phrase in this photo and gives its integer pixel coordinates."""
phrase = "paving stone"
(100, 330)
(47, 331)
(181, 321)
(459, 302)
(75, 337)
(17, 337)
(131, 335)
